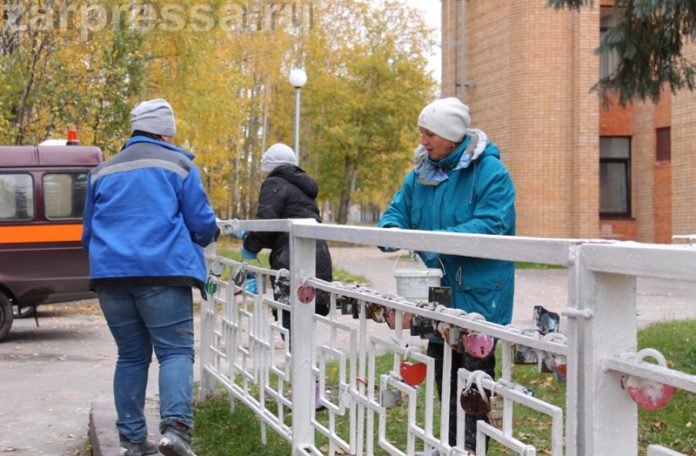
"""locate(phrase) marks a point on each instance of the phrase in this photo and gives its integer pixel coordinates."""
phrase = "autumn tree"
(648, 38)
(62, 67)
(367, 84)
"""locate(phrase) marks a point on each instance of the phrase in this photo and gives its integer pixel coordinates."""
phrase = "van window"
(16, 197)
(64, 195)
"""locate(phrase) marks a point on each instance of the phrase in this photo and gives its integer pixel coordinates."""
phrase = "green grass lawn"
(220, 431)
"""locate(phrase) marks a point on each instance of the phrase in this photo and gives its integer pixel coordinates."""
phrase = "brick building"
(580, 170)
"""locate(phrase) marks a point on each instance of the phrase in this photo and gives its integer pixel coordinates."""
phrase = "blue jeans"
(142, 318)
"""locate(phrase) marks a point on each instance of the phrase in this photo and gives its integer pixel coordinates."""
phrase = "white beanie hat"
(277, 155)
(154, 116)
(447, 117)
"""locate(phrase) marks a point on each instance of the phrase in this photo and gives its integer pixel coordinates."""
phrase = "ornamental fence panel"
(336, 361)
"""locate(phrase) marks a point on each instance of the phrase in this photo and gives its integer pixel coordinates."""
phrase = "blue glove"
(247, 255)
(239, 234)
(251, 283)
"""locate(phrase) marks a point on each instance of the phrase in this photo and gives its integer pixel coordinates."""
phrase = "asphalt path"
(51, 374)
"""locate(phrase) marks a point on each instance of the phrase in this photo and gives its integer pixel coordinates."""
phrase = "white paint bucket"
(413, 284)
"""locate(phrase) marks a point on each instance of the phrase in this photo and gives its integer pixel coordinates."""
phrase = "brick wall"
(532, 68)
(683, 162)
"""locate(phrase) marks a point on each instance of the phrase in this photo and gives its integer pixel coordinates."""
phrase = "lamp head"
(298, 78)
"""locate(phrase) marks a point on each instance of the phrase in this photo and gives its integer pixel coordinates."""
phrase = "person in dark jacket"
(460, 185)
(146, 221)
(287, 193)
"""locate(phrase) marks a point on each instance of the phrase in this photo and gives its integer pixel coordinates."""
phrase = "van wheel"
(5, 316)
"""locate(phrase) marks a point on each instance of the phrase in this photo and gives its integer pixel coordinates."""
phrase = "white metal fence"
(244, 349)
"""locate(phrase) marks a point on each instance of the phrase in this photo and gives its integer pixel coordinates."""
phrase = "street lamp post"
(298, 78)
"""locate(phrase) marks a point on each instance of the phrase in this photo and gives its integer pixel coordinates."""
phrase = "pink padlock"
(648, 394)
(478, 345)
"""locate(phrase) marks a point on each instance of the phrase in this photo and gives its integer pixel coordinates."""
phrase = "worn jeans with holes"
(143, 318)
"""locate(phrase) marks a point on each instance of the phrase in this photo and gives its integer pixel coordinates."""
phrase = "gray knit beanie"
(277, 155)
(154, 116)
(447, 117)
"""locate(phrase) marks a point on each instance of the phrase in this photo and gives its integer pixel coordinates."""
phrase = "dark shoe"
(176, 441)
(141, 448)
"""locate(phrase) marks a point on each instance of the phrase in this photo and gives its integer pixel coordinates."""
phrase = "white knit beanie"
(447, 117)
(154, 116)
(277, 155)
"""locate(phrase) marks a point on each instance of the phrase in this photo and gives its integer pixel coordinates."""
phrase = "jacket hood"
(296, 175)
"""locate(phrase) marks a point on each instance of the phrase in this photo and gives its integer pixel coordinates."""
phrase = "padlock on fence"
(556, 363)
(390, 398)
(376, 312)
(473, 342)
(476, 344)
(423, 326)
(648, 394)
(474, 399)
(413, 373)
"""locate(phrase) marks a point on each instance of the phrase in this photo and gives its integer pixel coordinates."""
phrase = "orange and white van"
(42, 194)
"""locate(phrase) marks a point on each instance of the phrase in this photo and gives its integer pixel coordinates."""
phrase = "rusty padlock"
(474, 399)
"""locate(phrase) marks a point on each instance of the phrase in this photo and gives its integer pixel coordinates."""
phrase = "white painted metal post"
(206, 328)
(607, 417)
(302, 266)
(575, 369)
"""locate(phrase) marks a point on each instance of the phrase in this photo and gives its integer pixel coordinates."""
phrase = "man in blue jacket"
(146, 221)
(459, 185)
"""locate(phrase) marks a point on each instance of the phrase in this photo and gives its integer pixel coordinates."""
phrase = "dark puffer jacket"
(289, 193)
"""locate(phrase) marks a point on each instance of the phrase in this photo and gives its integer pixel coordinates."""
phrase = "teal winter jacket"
(469, 191)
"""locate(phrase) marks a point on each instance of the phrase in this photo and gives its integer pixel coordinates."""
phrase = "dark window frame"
(626, 161)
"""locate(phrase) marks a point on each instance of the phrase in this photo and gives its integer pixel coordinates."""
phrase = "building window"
(663, 144)
(64, 195)
(16, 197)
(615, 176)
(608, 61)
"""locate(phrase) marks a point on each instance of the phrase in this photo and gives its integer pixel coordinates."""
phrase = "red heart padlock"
(648, 394)
(413, 373)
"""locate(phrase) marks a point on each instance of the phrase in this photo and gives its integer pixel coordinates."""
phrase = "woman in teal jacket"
(459, 185)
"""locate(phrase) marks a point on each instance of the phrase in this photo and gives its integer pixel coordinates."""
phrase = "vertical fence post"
(607, 417)
(302, 266)
(206, 329)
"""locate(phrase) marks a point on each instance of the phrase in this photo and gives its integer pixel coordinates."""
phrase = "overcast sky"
(431, 12)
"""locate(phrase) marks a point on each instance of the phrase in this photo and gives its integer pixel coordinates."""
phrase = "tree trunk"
(350, 175)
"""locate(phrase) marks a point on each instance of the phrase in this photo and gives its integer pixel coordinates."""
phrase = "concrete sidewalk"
(657, 300)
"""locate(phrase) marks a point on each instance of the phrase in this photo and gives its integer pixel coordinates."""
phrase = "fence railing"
(246, 349)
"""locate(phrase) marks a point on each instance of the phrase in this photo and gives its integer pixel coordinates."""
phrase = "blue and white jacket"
(147, 217)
